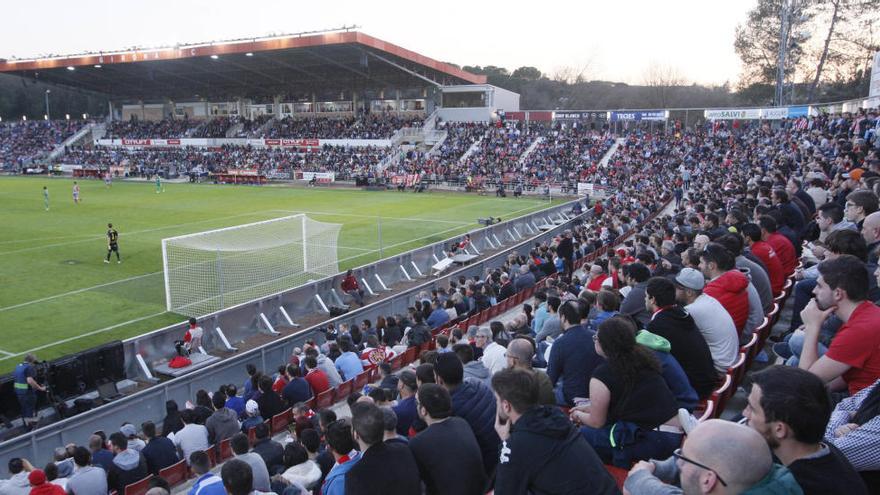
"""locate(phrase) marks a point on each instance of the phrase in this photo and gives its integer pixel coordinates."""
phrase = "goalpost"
(216, 269)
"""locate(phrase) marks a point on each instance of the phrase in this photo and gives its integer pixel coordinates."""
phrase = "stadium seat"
(212, 455)
(361, 380)
(619, 474)
(312, 403)
(374, 374)
(773, 315)
(226, 449)
(396, 362)
(344, 389)
(252, 434)
(750, 348)
(139, 487)
(708, 411)
(280, 421)
(722, 393)
(325, 399)
(737, 370)
(177, 473)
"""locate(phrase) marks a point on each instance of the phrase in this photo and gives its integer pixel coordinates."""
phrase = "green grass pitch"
(57, 295)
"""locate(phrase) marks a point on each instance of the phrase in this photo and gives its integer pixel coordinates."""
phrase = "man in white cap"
(711, 318)
(252, 413)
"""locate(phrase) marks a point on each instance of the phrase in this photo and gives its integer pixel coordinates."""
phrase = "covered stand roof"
(259, 67)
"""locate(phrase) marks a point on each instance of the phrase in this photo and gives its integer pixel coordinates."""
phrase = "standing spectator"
(674, 324)
(341, 445)
(128, 465)
(530, 432)
(259, 471)
(790, 407)
(86, 479)
(853, 359)
(472, 402)
(572, 356)
(223, 423)
(446, 452)
(192, 437)
(207, 483)
(387, 468)
(711, 318)
(406, 409)
(270, 450)
(159, 452)
(315, 376)
(726, 284)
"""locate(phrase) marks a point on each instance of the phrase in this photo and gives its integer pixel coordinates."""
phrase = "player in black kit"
(112, 243)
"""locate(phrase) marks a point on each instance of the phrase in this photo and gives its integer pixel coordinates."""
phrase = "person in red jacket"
(316, 377)
(783, 247)
(350, 286)
(765, 252)
(40, 486)
(726, 284)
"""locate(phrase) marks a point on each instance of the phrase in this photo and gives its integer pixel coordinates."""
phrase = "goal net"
(216, 269)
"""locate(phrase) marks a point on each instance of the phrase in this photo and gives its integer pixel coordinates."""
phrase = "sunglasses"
(677, 454)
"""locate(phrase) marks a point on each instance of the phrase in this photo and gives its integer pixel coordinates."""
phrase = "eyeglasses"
(677, 455)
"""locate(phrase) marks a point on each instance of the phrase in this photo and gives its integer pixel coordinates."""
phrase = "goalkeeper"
(112, 243)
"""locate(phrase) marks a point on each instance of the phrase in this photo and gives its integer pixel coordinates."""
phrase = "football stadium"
(324, 263)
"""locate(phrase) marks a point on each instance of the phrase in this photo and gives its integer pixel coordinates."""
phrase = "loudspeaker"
(67, 377)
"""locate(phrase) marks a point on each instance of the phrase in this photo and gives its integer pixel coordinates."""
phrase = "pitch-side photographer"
(25, 387)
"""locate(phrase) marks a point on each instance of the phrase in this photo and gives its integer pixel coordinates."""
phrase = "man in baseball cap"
(713, 321)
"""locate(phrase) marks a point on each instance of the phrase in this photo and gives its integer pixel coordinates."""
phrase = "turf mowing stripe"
(77, 337)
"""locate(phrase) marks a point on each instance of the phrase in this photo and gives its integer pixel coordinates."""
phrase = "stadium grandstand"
(698, 315)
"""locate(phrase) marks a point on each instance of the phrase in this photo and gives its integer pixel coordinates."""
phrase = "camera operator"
(25, 384)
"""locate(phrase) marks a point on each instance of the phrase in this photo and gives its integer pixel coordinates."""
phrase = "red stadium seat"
(708, 412)
(212, 455)
(325, 399)
(361, 380)
(344, 389)
(175, 474)
(722, 393)
(408, 356)
(619, 474)
(396, 362)
(139, 487)
(280, 421)
(252, 435)
(751, 347)
(737, 370)
(226, 449)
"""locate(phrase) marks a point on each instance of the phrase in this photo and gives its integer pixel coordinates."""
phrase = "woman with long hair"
(172, 422)
(631, 414)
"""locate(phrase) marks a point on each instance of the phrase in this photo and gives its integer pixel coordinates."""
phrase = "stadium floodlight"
(216, 269)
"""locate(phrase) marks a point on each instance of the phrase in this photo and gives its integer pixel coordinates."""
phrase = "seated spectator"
(854, 428)
(471, 401)
(315, 376)
(235, 402)
(270, 450)
(551, 326)
(780, 244)
(726, 284)
(446, 452)
(632, 415)
(525, 279)
(18, 483)
(718, 457)
(633, 304)
(572, 357)
(348, 363)
(754, 238)
(493, 352)
(790, 407)
(238, 477)
(160, 452)
(325, 365)
(674, 324)
(130, 432)
(350, 286)
(386, 468)
(172, 422)
(438, 315)
(419, 333)
(260, 472)
(473, 369)
(40, 484)
(374, 353)
(223, 423)
(598, 279)
(341, 445)
(406, 410)
(756, 272)
(297, 389)
(299, 470)
(853, 359)
(530, 431)
(207, 483)
(390, 434)
(519, 355)
(607, 304)
(252, 416)
(192, 437)
(713, 321)
(86, 479)
(100, 455)
(674, 376)
(128, 465)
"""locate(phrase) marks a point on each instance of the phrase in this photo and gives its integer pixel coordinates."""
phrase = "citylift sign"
(638, 116)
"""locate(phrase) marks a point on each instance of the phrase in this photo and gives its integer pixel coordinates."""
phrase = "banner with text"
(654, 115)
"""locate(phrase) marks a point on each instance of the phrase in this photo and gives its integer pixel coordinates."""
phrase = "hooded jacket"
(546, 454)
(731, 290)
(128, 467)
(475, 403)
(673, 375)
(327, 366)
(222, 424)
(477, 371)
(18, 484)
(689, 347)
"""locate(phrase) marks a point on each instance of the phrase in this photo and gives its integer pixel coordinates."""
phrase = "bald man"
(718, 457)
(871, 233)
(519, 355)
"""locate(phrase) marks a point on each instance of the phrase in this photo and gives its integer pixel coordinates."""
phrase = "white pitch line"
(77, 291)
(9, 354)
(77, 337)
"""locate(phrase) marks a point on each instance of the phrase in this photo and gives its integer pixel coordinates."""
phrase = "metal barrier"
(246, 320)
